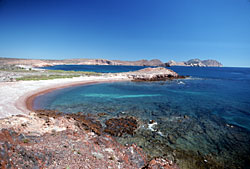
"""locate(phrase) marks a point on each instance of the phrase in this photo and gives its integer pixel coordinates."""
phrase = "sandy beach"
(16, 116)
(52, 139)
(16, 97)
(38, 139)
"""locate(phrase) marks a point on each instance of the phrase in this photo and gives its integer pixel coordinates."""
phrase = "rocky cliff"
(195, 62)
(42, 63)
(153, 62)
(212, 63)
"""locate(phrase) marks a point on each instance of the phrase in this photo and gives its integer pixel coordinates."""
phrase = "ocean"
(198, 121)
(95, 68)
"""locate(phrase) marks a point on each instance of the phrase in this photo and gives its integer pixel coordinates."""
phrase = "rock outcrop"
(158, 163)
(195, 62)
(153, 74)
(50, 139)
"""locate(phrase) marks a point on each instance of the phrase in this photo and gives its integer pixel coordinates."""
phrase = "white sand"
(14, 94)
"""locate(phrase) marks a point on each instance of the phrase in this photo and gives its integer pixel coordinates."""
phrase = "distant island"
(196, 62)
(153, 62)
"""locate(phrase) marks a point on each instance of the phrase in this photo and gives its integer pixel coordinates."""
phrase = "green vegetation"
(25, 75)
(16, 70)
(11, 68)
(45, 77)
(26, 141)
(75, 72)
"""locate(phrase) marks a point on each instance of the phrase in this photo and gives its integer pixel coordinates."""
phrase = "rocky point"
(153, 74)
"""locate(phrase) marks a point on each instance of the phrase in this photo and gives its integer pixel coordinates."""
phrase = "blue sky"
(127, 29)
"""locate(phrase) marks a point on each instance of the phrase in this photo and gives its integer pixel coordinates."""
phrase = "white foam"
(150, 126)
(181, 82)
(160, 133)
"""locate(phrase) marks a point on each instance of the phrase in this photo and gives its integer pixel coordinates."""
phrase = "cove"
(197, 117)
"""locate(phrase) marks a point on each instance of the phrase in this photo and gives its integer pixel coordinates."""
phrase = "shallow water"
(207, 115)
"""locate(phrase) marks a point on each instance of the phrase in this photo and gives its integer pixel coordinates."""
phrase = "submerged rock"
(88, 121)
(120, 126)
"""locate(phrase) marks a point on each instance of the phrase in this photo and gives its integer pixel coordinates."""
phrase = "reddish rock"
(89, 122)
(64, 149)
(160, 163)
(82, 120)
(72, 146)
(49, 113)
(15, 154)
(120, 126)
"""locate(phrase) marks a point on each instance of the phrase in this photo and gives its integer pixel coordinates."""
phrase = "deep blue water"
(95, 68)
(215, 100)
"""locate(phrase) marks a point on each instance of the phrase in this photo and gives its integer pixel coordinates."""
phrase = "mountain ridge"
(84, 61)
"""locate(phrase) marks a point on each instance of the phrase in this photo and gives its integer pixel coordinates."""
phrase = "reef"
(120, 126)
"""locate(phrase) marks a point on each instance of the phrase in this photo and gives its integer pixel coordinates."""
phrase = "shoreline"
(17, 97)
(29, 100)
(34, 132)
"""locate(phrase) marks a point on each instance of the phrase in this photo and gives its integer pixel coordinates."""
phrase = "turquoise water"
(208, 114)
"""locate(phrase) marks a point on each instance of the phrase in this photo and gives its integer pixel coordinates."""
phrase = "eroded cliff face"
(42, 63)
(196, 62)
(153, 62)
(212, 63)
(143, 62)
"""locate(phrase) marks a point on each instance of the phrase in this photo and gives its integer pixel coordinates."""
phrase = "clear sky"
(127, 29)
